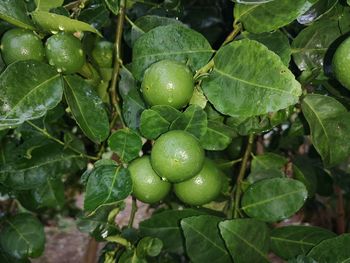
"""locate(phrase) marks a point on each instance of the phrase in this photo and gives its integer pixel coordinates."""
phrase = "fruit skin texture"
(341, 63)
(103, 54)
(21, 44)
(177, 156)
(167, 82)
(203, 188)
(65, 52)
(148, 187)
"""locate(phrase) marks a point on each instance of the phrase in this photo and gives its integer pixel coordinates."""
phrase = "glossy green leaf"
(22, 236)
(203, 240)
(166, 226)
(291, 241)
(170, 42)
(248, 240)
(261, 174)
(38, 90)
(54, 23)
(149, 246)
(113, 5)
(96, 15)
(126, 143)
(335, 250)
(218, 136)
(268, 161)
(46, 5)
(317, 11)
(133, 104)
(157, 120)
(87, 108)
(107, 185)
(311, 44)
(330, 127)
(270, 16)
(193, 120)
(14, 12)
(249, 89)
(274, 199)
(275, 41)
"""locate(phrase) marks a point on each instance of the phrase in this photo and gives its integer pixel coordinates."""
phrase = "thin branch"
(115, 100)
(133, 212)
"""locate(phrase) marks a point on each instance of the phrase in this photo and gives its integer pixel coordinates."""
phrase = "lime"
(341, 63)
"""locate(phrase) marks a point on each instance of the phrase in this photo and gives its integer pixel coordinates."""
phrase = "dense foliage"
(229, 118)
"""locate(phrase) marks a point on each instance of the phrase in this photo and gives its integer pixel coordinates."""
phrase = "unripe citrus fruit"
(167, 82)
(148, 187)
(102, 53)
(177, 156)
(21, 44)
(341, 63)
(65, 52)
(202, 188)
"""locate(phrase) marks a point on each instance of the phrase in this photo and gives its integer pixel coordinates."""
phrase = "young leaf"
(218, 136)
(291, 241)
(14, 12)
(170, 42)
(107, 185)
(126, 143)
(46, 5)
(335, 250)
(270, 16)
(29, 97)
(271, 200)
(203, 240)
(247, 240)
(87, 108)
(330, 127)
(268, 161)
(193, 120)
(22, 236)
(248, 89)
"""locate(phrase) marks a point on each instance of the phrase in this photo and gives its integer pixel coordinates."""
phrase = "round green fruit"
(177, 156)
(202, 188)
(168, 82)
(21, 44)
(65, 52)
(102, 54)
(341, 63)
(148, 187)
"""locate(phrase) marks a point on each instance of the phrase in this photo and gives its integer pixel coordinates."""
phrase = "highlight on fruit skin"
(202, 188)
(341, 63)
(177, 156)
(148, 187)
(168, 82)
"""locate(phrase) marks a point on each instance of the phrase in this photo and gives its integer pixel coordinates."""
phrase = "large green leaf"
(291, 241)
(87, 108)
(38, 89)
(107, 185)
(317, 11)
(173, 42)
(217, 137)
(311, 44)
(54, 23)
(248, 240)
(274, 199)
(335, 250)
(14, 12)
(126, 143)
(270, 16)
(193, 120)
(166, 226)
(330, 127)
(249, 80)
(46, 5)
(203, 240)
(268, 161)
(22, 236)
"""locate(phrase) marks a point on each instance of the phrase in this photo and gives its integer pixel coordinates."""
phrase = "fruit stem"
(133, 212)
(48, 135)
(237, 194)
(115, 100)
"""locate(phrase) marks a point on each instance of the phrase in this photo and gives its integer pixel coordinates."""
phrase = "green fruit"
(168, 82)
(202, 188)
(341, 63)
(103, 54)
(177, 156)
(65, 52)
(21, 44)
(148, 187)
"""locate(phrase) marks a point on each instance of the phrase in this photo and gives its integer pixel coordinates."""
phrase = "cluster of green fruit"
(176, 157)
